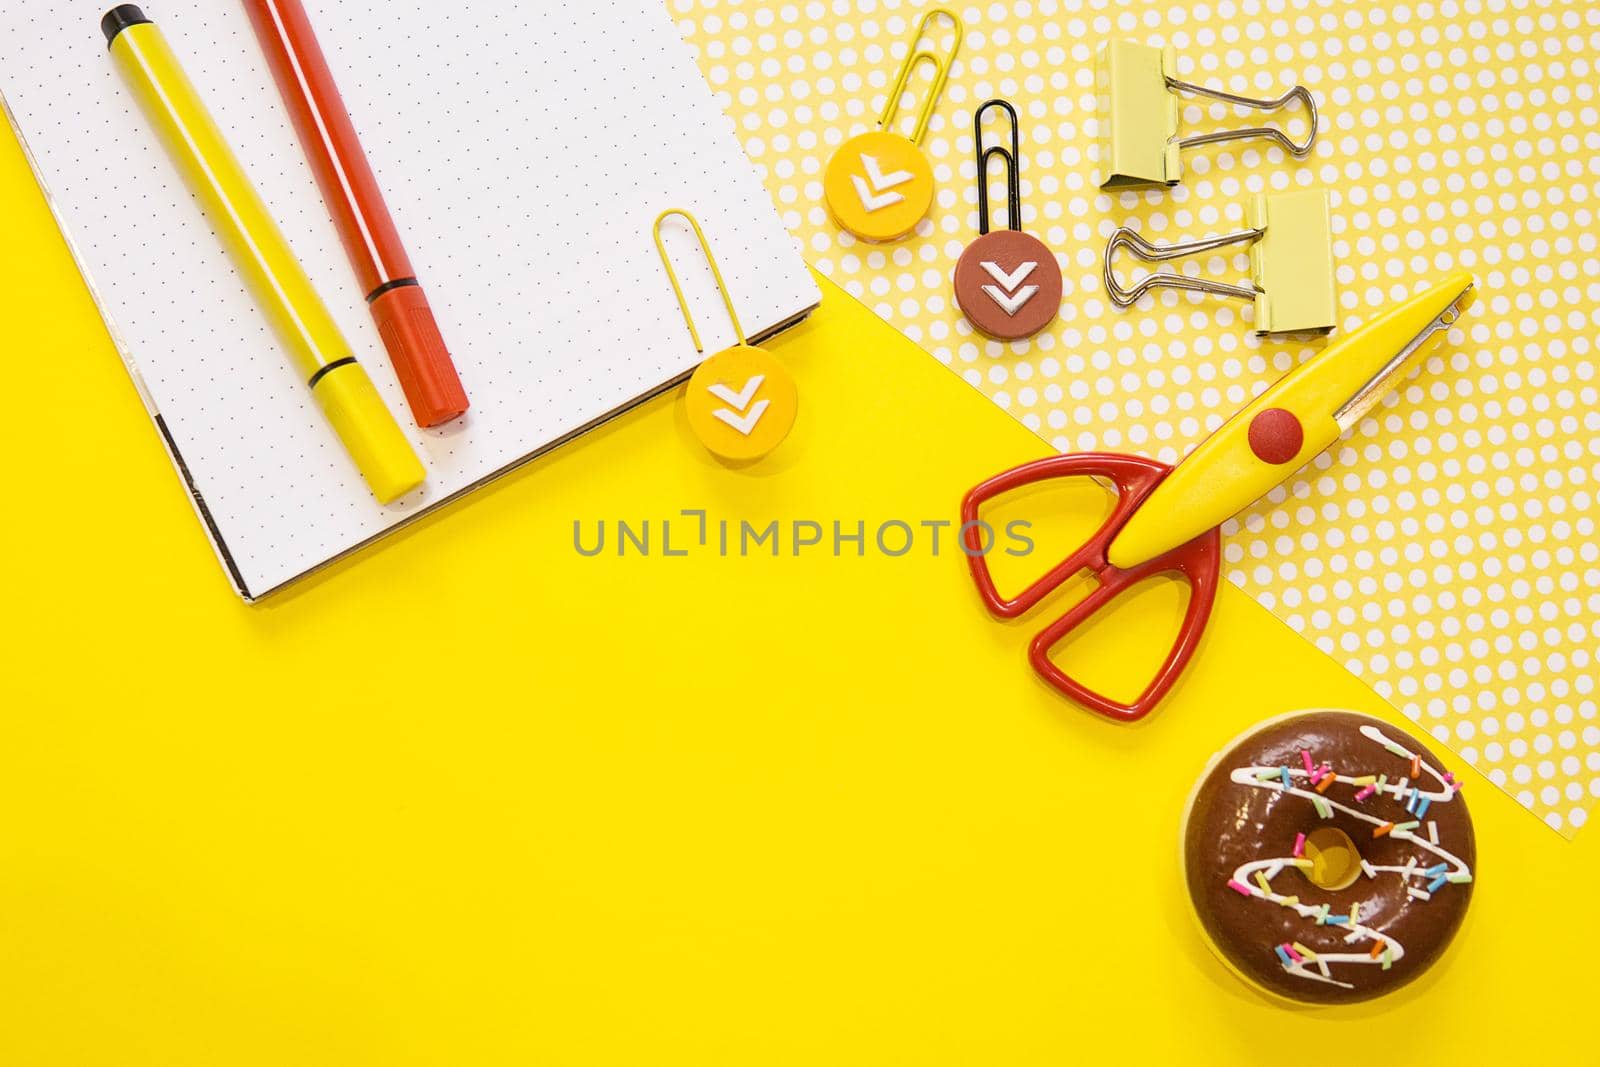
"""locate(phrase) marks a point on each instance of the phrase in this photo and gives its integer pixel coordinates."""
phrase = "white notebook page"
(524, 151)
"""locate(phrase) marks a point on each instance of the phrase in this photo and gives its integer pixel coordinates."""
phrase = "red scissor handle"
(1199, 562)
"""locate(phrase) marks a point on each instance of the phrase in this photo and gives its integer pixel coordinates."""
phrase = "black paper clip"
(1007, 282)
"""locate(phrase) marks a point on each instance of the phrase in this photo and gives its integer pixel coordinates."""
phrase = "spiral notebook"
(524, 158)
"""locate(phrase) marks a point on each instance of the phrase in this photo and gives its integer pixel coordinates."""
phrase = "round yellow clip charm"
(742, 403)
(879, 185)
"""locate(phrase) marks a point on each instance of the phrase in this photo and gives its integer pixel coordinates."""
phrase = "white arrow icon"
(741, 399)
(739, 419)
(1008, 296)
(873, 197)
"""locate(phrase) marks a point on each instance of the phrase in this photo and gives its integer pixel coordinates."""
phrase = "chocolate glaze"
(1231, 823)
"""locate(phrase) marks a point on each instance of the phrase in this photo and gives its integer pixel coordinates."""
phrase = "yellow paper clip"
(741, 402)
(1137, 102)
(878, 185)
(941, 74)
(677, 290)
(1291, 263)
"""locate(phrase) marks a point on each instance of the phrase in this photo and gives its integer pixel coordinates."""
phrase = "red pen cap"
(421, 361)
(351, 191)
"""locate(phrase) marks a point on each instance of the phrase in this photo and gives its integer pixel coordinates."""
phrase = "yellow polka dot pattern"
(1445, 550)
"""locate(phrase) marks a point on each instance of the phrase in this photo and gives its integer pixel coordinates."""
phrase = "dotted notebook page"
(1445, 551)
(524, 161)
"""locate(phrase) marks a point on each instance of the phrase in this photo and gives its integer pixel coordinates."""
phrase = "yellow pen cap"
(370, 434)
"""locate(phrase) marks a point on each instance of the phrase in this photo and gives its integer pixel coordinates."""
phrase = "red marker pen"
(399, 306)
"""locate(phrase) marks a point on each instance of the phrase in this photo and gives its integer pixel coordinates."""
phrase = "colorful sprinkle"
(1299, 845)
(1412, 891)
(1433, 831)
(1239, 887)
(1397, 750)
(1366, 792)
(1283, 772)
(1355, 914)
(1404, 829)
(1327, 779)
(1289, 902)
(1307, 953)
(1337, 920)
(1459, 877)
(1305, 757)
(1293, 954)
(1283, 955)
(1267, 775)
(1322, 915)
(1422, 807)
(1381, 830)
(1365, 779)
(1377, 949)
(1322, 807)
(1416, 766)
(1388, 958)
(1261, 880)
(1436, 870)
(1435, 885)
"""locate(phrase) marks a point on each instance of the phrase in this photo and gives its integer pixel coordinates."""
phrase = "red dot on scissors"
(1276, 436)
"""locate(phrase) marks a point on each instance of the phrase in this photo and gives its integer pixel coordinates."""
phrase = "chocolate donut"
(1329, 858)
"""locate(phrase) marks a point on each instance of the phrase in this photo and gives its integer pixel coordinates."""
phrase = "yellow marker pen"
(322, 356)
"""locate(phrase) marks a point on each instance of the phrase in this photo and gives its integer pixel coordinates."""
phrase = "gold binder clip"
(878, 185)
(1138, 108)
(1291, 263)
(741, 402)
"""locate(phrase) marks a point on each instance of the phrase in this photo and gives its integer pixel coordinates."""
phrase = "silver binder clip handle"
(1166, 279)
(1299, 92)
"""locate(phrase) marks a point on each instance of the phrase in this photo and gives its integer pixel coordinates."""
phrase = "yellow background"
(1446, 550)
(471, 799)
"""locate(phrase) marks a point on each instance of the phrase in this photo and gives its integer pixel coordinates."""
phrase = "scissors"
(1167, 519)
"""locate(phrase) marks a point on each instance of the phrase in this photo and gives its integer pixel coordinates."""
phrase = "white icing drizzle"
(1318, 969)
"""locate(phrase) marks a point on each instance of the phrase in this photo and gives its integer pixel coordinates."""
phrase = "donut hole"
(1335, 861)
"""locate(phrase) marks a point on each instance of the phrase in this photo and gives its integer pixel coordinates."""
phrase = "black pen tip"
(120, 18)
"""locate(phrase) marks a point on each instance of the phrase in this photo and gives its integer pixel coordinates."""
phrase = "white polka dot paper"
(1445, 550)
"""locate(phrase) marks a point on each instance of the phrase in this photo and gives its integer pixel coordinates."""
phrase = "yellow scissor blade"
(1284, 427)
